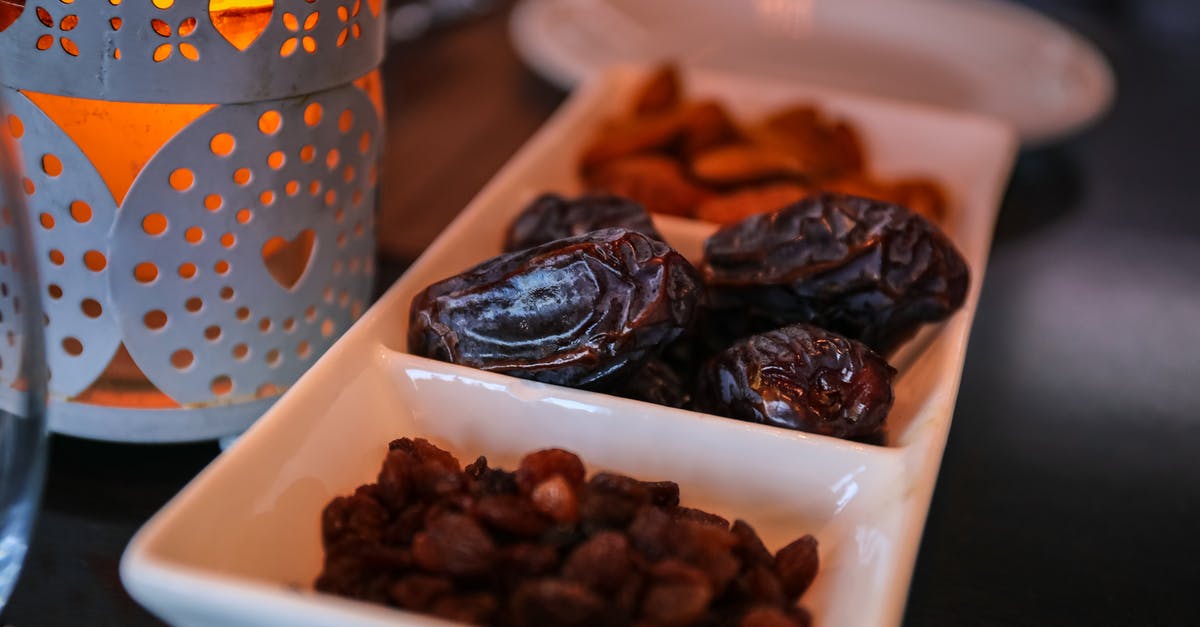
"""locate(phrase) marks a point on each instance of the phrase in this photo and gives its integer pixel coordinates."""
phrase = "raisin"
(584, 311)
(528, 559)
(706, 546)
(539, 466)
(800, 377)
(476, 609)
(419, 592)
(750, 548)
(700, 516)
(510, 513)
(648, 531)
(678, 594)
(454, 544)
(602, 562)
(555, 498)
(766, 617)
(870, 270)
(797, 565)
(395, 478)
(760, 586)
(551, 217)
(555, 602)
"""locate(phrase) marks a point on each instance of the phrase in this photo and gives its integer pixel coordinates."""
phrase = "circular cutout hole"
(272, 357)
(364, 142)
(227, 293)
(276, 160)
(213, 202)
(212, 333)
(270, 122)
(187, 270)
(310, 314)
(222, 144)
(91, 308)
(264, 325)
(331, 199)
(303, 350)
(228, 240)
(314, 187)
(28, 185)
(145, 272)
(308, 153)
(81, 212)
(221, 385)
(345, 121)
(194, 235)
(95, 260)
(242, 176)
(182, 358)
(266, 389)
(57, 257)
(240, 351)
(51, 165)
(182, 179)
(154, 224)
(289, 325)
(333, 158)
(221, 267)
(46, 220)
(313, 114)
(348, 174)
(243, 313)
(327, 327)
(155, 319)
(244, 216)
(193, 304)
(72, 346)
(292, 188)
(267, 198)
(54, 290)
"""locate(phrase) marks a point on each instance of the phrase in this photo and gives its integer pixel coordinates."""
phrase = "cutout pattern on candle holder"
(134, 51)
(257, 261)
(72, 211)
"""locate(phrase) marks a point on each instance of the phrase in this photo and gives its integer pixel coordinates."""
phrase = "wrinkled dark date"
(552, 217)
(657, 382)
(871, 270)
(585, 311)
(800, 377)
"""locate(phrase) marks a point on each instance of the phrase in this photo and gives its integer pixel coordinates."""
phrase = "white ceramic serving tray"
(240, 544)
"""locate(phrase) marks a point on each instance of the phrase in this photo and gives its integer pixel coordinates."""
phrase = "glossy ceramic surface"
(240, 545)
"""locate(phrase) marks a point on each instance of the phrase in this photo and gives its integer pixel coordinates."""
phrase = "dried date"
(800, 377)
(585, 311)
(551, 217)
(870, 270)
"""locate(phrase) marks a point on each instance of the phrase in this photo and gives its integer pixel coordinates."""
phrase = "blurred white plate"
(983, 56)
(241, 545)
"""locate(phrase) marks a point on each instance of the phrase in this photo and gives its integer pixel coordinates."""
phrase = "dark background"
(1070, 489)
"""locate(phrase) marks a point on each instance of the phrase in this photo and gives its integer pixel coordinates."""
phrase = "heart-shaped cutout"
(240, 22)
(10, 10)
(288, 261)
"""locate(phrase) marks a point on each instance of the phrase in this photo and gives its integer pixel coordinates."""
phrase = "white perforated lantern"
(203, 174)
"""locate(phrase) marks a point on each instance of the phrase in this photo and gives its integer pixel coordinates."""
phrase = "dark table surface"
(1070, 489)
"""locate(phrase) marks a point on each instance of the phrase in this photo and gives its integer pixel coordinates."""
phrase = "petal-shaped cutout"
(240, 22)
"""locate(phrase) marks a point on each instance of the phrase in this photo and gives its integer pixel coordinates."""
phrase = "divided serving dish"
(240, 545)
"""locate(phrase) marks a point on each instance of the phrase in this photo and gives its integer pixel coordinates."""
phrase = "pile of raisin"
(546, 546)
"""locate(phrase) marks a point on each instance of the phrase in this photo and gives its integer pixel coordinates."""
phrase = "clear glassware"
(22, 370)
